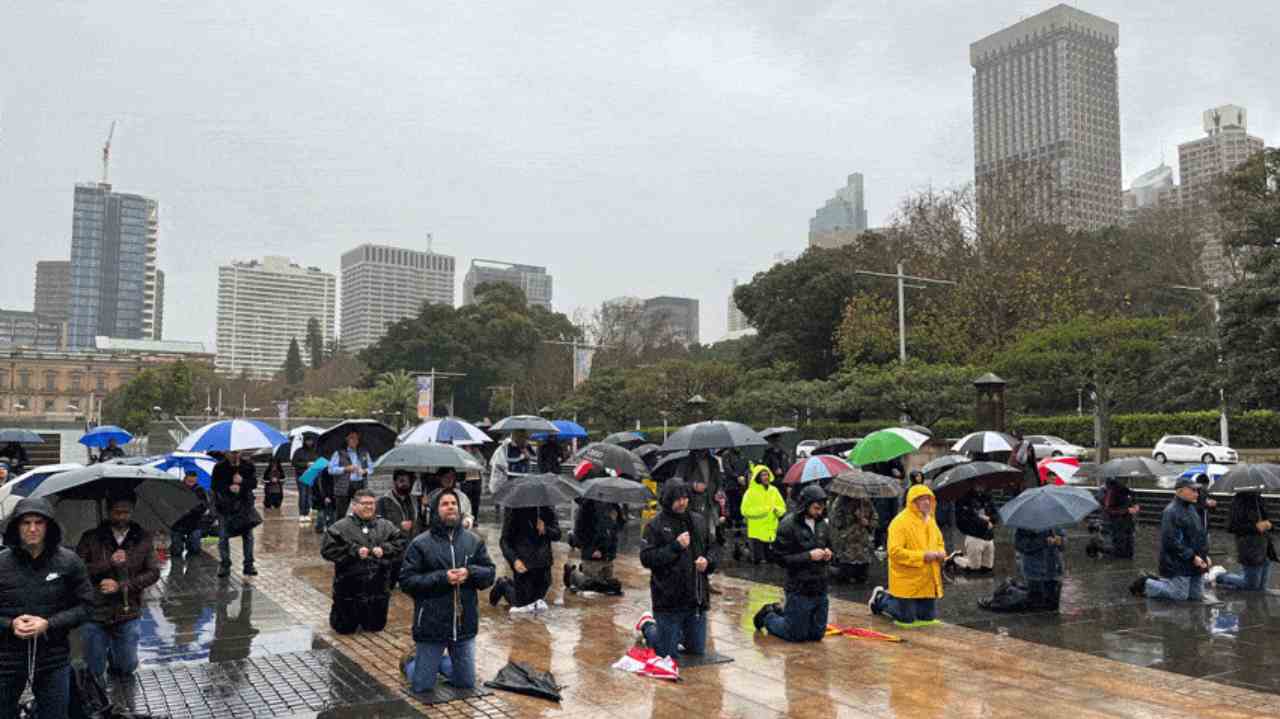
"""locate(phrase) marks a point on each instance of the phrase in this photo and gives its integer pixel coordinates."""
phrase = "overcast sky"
(650, 148)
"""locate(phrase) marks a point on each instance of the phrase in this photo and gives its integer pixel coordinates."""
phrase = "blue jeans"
(670, 630)
(224, 545)
(1252, 579)
(1176, 589)
(52, 689)
(907, 610)
(803, 619)
(430, 660)
(304, 499)
(116, 644)
(188, 541)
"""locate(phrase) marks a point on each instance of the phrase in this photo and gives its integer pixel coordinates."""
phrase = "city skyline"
(243, 173)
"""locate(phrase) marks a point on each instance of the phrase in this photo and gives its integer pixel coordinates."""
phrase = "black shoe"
(568, 576)
(495, 594)
(1138, 587)
(224, 572)
(763, 613)
(250, 571)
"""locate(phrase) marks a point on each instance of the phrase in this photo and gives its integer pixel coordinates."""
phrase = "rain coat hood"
(757, 470)
(36, 505)
(911, 535)
(672, 490)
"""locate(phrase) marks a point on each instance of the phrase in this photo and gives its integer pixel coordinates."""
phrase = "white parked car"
(1047, 445)
(805, 448)
(1192, 448)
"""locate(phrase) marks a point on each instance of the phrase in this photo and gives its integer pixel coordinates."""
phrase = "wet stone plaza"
(261, 646)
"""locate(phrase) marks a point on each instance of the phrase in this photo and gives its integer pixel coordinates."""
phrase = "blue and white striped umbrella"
(232, 434)
(1214, 471)
(449, 430)
(178, 463)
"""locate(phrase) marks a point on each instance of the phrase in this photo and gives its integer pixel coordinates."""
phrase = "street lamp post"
(902, 305)
(1224, 429)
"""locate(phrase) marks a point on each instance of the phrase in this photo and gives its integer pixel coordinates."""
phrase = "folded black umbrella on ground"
(523, 679)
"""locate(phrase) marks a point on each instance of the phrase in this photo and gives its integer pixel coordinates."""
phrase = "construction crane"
(106, 152)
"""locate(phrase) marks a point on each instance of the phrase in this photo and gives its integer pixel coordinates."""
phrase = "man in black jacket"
(679, 555)
(233, 484)
(301, 461)
(444, 569)
(803, 547)
(186, 533)
(527, 534)
(1250, 525)
(1120, 512)
(976, 518)
(595, 531)
(363, 550)
(1182, 556)
(44, 594)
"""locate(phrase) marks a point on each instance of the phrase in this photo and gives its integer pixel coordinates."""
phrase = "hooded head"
(444, 524)
(916, 492)
(672, 491)
(811, 495)
(761, 474)
(39, 506)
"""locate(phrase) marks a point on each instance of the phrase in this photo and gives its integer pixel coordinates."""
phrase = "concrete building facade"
(31, 330)
(1046, 97)
(53, 290)
(262, 306)
(382, 285)
(532, 280)
(737, 320)
(673, 317)
(843, 216)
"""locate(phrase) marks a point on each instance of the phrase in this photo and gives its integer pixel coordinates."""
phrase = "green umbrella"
(885, 445)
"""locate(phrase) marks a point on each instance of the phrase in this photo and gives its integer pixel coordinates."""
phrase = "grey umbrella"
(942, 464)
(770, 431)
(616, 490)
(666, 467)
(526, 422)
(1048, 507)
(1250, 478)
(21, 436)
(422, 457)
(716, 434)
(836, 445)
(858, 484)
(77, 496)
(536, 490)
(1124, 468)
(626, 439)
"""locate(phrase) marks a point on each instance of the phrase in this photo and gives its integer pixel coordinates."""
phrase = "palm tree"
(397, 393)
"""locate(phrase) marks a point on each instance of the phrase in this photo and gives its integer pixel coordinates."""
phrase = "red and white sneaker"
(643, 620)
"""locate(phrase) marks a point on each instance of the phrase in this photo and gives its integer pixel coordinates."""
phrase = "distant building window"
(76, 380)
(51, 381)
(24, 379)
(48, 406)
(101, 382)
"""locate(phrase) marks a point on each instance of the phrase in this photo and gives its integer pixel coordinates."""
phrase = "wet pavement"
(261, 646)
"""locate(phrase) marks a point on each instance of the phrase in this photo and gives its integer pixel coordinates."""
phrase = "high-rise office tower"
(533, 281)
(1046, 102)
(113, 254)
(53, 290)
(262, 306)
(842, 218)
(1153, 188)
(675, 318)
(382, 285)
(737, 320)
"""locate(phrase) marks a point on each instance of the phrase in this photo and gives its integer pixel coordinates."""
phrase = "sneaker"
(875, 599)
(496, 594)
(1138, 587)
(763, 613)
(529, 608)
(540, 606)
(643, 620)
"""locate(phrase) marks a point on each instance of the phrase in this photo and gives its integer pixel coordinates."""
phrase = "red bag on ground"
(645, 662)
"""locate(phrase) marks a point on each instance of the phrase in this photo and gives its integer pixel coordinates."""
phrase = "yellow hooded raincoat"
(762, 505)
(910, 536)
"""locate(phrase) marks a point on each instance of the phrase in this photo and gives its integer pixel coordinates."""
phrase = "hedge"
(1249, 430)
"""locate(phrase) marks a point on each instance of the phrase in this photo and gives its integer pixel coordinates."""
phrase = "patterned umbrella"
(858, 484)
(815, 468)
(985, 442)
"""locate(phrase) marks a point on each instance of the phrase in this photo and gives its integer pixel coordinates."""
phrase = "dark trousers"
(1042, 594)
(52, 689)
(886, 510)
(352, 612)
(473, 489)
(273, 495)
(224, 545)
(803, 619)
(851, 571)
(341, 505)
(760, 551)
(1120, 532)
(527, 588)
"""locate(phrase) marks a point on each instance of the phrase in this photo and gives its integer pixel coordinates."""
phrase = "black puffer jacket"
(442, 611)
(1251, 545)
(971, 509)
(54, 586)
(520, 538)
(674, 582)
(794, 542)
(353, 576)
(1181, 539)
(596, 528)
(226, 502)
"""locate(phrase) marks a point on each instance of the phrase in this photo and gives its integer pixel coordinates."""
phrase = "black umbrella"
(620, 460)
(1250, 478)
(375, 437)
(836, 445)
(524, 679)
(770, 431)
(647, 450)
(666, 467)
(421, 457)
(1125, 468)
(78, 495)
(616, 490)
(716, 434)
(942, 464)
(959, 480)
(630, 440)
(536, 490)
(21, 436)
(858, 484)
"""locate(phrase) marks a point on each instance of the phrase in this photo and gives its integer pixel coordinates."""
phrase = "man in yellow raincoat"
(916, 554)
(762, 507)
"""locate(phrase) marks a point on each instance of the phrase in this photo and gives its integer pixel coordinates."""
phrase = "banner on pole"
(426, 399)
(582, 357)
(282, 410)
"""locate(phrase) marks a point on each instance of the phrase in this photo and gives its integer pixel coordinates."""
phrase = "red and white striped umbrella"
(1062, 469)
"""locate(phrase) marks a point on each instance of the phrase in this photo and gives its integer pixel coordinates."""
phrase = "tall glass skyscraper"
(114, 286)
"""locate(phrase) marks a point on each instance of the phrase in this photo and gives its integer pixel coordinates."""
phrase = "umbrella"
(1250, 478)
(770, 431)
(835, 445)
(232, 435)
(536, 490)
(1213, 471)
(716, 434)
(568, 430)
(815, 468)
(309, 477)
(985, 442)
(885, 445)
(1048, 507)
(616, 490)
(1063, 468)
(611, 457)
(21, 436)
(526, 422)
(524, 679)
(626, 439)
(919, 428)
(644, 450)
(22, 485)
(176, 464)
(297, 437)
(942, 464)
(449, 430)
(1126, 468)
(957, 481)
(421, 457)
(100, 436)
(666, 467)
(375, 437)
(858, 484)
(77, 496)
